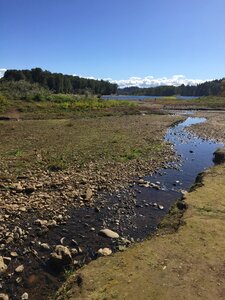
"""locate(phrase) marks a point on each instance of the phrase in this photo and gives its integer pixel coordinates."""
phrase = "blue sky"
(150, 40)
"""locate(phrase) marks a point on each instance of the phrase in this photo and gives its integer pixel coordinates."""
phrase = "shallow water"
(196, 155)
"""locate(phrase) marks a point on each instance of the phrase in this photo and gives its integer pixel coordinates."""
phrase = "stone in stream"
(25, 296)
(109, 233)
(160, 206)
(3, 266)
(13, 254)
(45, 246)
(61, 257)
(19, 269)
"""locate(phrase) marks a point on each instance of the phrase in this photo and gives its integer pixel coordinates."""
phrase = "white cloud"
(2, 72)
(150, 81)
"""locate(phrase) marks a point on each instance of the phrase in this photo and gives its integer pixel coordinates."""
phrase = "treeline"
(204, 89)
(60, 83)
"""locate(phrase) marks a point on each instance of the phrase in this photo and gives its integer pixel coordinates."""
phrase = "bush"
(23, 90)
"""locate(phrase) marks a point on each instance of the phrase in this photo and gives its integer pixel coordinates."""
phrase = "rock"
(14, 254)
(18, 280)
(74, 242)
(17, 187)
(59, 218)
(62, 240)
(154, 186)
(74, 251)
(51, 223)
(41, 222)
(4, 296)
(141, 181)
(109, 233)
(3, 266)
(160, 206)
(25, 296)
(89, 194)
(219, 156)
(19, 269)
(45, 246)
(61, 257)
(105, 251)
(122, 248)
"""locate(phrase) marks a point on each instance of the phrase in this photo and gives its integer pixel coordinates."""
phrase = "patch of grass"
(133, 154)
(16, 152)
(213, 102)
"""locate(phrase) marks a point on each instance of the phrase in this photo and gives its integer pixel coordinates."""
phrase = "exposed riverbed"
(133, 213)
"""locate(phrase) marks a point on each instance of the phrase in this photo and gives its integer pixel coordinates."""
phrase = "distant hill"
(60, 83)
(207, 88)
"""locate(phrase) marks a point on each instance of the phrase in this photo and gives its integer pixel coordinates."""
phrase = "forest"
(60, 83)
(214, 88)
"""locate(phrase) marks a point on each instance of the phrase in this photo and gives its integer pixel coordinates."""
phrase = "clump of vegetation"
(22, 90)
